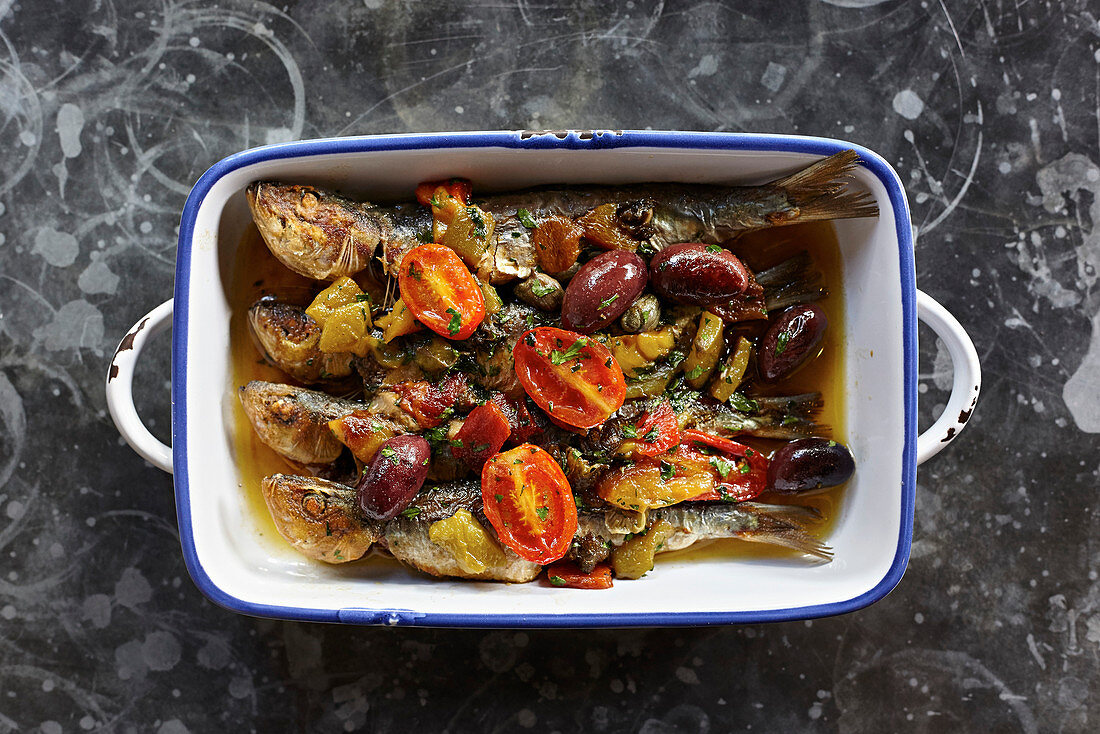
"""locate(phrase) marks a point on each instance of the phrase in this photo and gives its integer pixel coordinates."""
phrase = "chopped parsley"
(479, 221)
(525, 219)
(499, 497)
(557, 581)
(667, 470)
(714, 248)
(744, 468)
(742, 403)
(630, 430)
(456, 321)
(724, 467)
(387, 452)
(361, 297)
(789, 420)
(652, 435)
(781, 342)
(410, 512)
(413, 273)
(424, 236)
(456, 443)
(696, 371)
(542, 512)
(558, 357)
(607, 302)
(541, 290)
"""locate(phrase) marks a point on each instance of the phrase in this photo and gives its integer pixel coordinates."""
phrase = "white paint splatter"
(373, 4)
(1081, 392)
(70, 123)
(773, 76)
(76, 325)
(59, 249)
(161, 651)
(707, 66)
(98, 278)
(132, 589)
(908, 104)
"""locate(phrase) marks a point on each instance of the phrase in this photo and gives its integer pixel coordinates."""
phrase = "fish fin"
(789, 416)
(778, 526)
(820, 191)
(792, 281)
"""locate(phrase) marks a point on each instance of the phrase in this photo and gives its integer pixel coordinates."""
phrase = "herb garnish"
(525, 219)
(558, 357)
(607, 302)
(742, 403)
(781, 342)
(630, 430)
(542, 512)
(557, 581)
(456, 321)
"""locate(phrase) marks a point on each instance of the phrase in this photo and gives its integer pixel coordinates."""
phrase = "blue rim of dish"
(572, 140)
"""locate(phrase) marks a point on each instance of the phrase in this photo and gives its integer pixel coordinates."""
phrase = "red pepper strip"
(483, 433)
(427, 402)
(743, 480)
(459, 188)
(566, 574)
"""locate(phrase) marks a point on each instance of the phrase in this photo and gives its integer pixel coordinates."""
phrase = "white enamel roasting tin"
(241, 571)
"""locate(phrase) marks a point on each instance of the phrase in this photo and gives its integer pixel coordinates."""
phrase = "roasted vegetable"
(705, 350)
(398, 322)
(602, 226)
(557, 242)
(470, 544)
(363, 433)
(733, 372)
(634, 558)
(636, 352)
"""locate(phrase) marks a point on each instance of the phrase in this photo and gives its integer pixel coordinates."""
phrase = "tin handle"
(120, 388)
(966, 383)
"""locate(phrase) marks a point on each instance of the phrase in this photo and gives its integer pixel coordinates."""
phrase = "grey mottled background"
(110, 109)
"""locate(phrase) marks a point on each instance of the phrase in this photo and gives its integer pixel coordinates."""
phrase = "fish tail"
(791, 282)
(789, 416)
(820, 191)
(784, 525)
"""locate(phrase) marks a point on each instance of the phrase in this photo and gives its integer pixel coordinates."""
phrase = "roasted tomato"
(572, 377)
(529, 502)
(440, 291)
(523, 422)
(459, 188)
(655, 433)
(483, 433)
(741, 473)
(427, 401)
(566, 574)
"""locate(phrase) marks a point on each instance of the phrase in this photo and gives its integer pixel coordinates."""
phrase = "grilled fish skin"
(324, 235)
(321, 234)
(407, 535)
(321, 519)
(288, 338)
(694, 522)
(294, 421)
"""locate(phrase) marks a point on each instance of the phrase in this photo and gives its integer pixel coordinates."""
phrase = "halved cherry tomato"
(567, 575)
(483, 433)
(655, 433)
(737, 480)
(572, 377)
(427, 401)
(529, 502)
(440, 291)
(459, 188)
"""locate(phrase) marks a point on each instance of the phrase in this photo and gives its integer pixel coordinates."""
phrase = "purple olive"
(394, 477)
(791, 340)
(602, 289)
(698, 275)
(809, 463)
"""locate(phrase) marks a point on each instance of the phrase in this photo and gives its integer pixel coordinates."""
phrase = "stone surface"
(109, 111)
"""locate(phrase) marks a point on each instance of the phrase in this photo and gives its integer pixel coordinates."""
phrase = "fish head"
(319, 518)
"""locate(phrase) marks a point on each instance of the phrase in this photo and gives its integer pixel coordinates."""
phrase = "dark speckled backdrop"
(110, 109)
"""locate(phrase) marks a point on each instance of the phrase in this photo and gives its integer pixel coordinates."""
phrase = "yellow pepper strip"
(343, 291)
(347, 329)
(470, 544)
(731, 375)
(705, 349)
(398, 322)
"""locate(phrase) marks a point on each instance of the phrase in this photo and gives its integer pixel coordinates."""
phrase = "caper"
(541, 291)
(643, 315)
